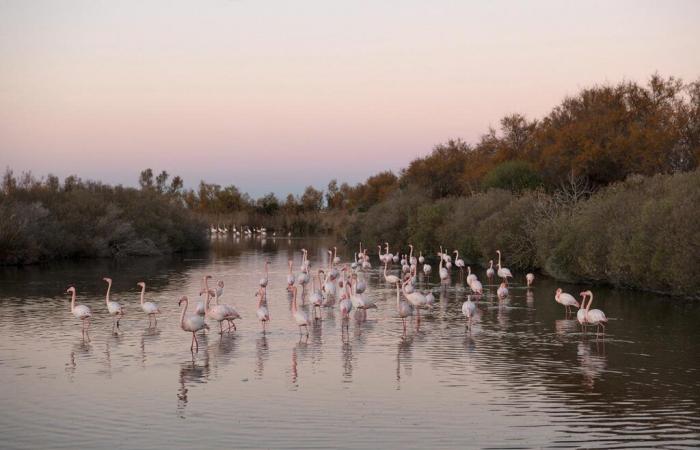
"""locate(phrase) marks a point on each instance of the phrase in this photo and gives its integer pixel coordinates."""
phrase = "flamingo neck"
(109, 287)
(143, 292)
(398, 298)
(590, 300)
(72, 301)
(294, 302)
(182, 315)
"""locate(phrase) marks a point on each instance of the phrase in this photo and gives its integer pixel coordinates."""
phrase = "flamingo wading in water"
(115, 309)
(191, 323)
(565, 299)
(81, 312)
(150, 308)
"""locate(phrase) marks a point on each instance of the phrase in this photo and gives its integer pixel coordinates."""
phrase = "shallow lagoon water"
(525, 376)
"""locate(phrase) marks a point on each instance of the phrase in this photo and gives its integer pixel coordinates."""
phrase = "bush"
(515, 176)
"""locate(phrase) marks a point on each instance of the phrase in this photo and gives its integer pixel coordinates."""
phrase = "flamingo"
(191, 323)
(219, 312)
(427, 269)
(81, 312)
(403, 308)
(262, 312)
(150, 308)
(490, 272)
(459, 263)
(476, 287)
(300, 317)
(412, 259)
(594, 316)
(503, 272)
(391, 279)
(565, 299)
(530, 278)
(316, 298)
(581, 313)
(444, 274)
(415, 298)
(345, 303)
(470, 276)
(115, 309)
(469, 310)
(502, 291)
(421, 258)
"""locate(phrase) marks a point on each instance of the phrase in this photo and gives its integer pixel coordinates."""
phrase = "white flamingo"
(391, 279)
(476, 287)
(490, 272)
(415, 298)
(502, 291)
(503, 272)
(262, 312)
(444, 273)
(594, 317)
(459, 262)
(470, 276)
(530, 278)
(412, 259)
(565, 299)
(421, 258)
(345, 303)
(316, 297)
(115, 309)
(300, 316)
(469, 310)
(150, 308)
(191, 323)
(81, 312)
(403, 308)
(219, 312)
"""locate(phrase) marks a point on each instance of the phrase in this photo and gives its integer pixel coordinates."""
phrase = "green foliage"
(515, 176)
(40, 220)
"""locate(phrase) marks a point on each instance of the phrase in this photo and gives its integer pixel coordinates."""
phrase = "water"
(525, 376)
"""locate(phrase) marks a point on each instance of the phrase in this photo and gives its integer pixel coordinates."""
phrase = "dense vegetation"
(44, 219)
(603, 189)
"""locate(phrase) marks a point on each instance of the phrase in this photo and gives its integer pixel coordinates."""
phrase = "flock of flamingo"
(346, 285)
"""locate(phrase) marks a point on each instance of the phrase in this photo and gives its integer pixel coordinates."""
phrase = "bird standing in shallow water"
(81, 312)
(191, 323)
(150, 308)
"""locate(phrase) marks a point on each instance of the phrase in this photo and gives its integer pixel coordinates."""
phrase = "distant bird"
(458, 261)
(530, 278)
(403, 308)
(300, 317)
(115, 309)
(502, 291)
(565, 299)
(391, 279)
(476, 287)
(81, 312)
(262, 312)
(421, 258)
(191, 323)
(150, 308)
(503, 272)
(490, 272)
(469, 310)
(470, 276)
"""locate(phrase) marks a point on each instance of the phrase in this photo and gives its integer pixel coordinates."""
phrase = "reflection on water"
(523, 375)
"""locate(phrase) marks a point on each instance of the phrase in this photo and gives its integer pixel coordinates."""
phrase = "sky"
(273, 96)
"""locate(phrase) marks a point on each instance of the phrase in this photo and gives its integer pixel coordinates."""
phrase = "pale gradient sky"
(275, 95)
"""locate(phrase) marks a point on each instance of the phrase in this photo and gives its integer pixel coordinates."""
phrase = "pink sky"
(272, 96)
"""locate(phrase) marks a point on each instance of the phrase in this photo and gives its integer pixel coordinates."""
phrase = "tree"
(146, 179)
(312, 199)
(440, 172)
(161, 181)
(268, 205)
(515, 176)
